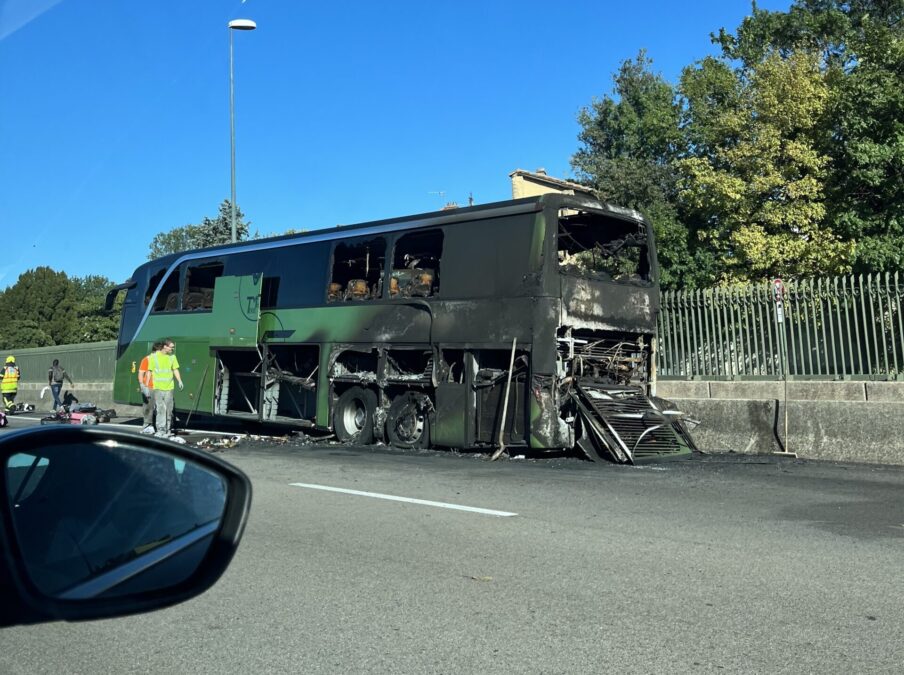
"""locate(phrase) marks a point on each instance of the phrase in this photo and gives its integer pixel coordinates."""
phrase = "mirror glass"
(105, 519)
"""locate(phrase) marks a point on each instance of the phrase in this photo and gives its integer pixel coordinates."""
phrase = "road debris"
(218, 444)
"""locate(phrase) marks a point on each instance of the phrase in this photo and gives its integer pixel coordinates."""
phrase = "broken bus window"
(168, 297)
(357, 272)
(199, 285)
(415, 265)
(604, 248)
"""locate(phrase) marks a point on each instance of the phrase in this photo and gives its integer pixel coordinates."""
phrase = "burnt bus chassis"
(559, 360)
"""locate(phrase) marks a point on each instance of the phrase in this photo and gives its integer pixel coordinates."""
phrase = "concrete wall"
(86, 362)
(839, 421)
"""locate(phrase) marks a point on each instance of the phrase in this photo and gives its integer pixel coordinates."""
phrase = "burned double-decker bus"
(527, 323)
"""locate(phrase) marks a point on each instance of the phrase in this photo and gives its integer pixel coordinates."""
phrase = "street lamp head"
(242, 24)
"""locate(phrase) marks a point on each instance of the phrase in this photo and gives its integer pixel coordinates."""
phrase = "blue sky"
(114, 118)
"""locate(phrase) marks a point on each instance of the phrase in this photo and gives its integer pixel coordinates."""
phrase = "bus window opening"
(152, 285)
(168, 297)
(199, 285)
(357, 272)
(604, 248)
(415, 265)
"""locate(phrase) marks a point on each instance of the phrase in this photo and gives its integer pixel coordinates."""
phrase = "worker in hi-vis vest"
(9, 385)
(146, 385)
(163, 366)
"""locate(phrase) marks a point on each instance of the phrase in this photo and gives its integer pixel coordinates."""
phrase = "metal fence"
(845, 327)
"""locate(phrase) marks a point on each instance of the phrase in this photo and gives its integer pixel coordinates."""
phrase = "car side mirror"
(97, 523)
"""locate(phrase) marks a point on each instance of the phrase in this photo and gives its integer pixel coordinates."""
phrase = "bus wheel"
(353, 416)
(408, 421)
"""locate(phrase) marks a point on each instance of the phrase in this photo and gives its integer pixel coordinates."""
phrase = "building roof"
(542, 182)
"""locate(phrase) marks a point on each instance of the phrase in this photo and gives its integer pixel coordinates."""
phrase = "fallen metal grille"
(627, 424)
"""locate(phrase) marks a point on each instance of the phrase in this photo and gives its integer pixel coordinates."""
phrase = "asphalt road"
(739, 564)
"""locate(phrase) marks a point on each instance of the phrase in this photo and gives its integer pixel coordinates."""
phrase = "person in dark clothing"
(55, 377)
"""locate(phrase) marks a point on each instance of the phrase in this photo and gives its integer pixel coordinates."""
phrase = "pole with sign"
(778, 294)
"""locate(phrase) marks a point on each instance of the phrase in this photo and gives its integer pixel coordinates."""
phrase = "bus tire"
(353, 416)
(408, 421)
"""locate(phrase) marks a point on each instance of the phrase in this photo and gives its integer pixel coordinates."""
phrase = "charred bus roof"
(416, 221)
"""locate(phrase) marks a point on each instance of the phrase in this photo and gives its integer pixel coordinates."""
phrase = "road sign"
(778, 294)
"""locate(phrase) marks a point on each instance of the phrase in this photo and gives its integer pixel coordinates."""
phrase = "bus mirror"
(113, 292)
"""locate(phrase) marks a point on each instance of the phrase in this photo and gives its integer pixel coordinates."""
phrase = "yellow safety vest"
(10, 379)
(162, 366)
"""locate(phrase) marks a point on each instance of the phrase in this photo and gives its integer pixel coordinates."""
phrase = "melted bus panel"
(528, 323)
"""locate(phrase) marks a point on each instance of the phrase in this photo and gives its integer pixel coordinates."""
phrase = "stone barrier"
(838, 421)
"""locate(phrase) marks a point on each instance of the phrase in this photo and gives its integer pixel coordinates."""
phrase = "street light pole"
(236, 24)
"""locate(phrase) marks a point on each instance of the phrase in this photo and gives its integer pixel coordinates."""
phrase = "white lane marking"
(409, 500)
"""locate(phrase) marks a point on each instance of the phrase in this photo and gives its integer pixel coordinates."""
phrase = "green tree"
(787, 156)
(23, 334)
(209, 232)
(866, 194)
(756, 179)
(833, 29)
(42, 301)
(861, 48)
(94, 323)
(46, 307)
(815, 26)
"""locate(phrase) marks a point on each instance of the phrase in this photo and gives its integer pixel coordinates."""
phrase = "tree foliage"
(866, 190)
(756, 184)
(44, 298)
(783, 156)
(45, 307)
(94, 323)
(861, 47)
(23, 334)
(209, 232)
